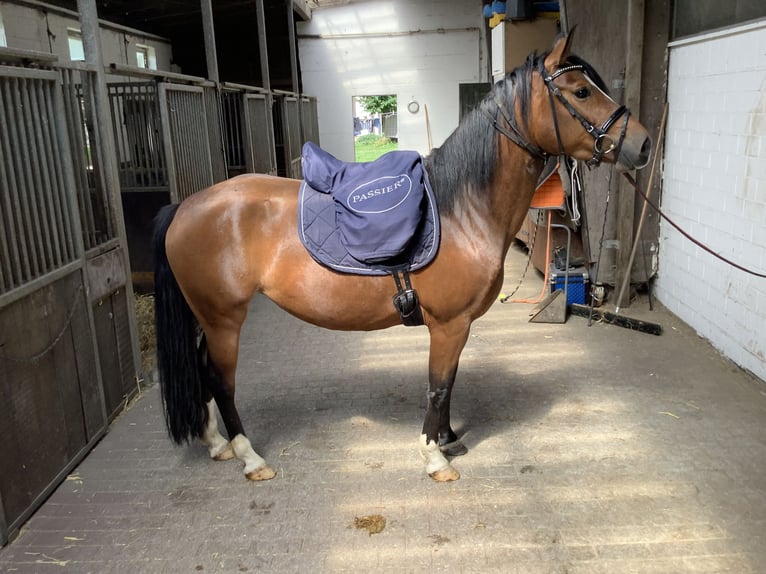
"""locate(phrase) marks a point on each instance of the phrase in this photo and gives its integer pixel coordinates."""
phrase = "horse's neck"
(510, 194)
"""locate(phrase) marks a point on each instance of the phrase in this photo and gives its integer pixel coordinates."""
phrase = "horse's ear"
(560, 50)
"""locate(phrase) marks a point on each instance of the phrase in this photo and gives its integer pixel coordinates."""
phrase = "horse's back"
(223, 235)
(245, 200)
(239, 192)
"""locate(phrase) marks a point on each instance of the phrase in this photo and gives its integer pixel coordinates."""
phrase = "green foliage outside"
(378, 104)
(371, 146)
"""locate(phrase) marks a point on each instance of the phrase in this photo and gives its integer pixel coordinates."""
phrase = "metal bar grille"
(215, 132)
(93, 201)
(36, 230)
(62, 189)
(280, 136)
(55, 217)
(136, 124)
(186, 139)
(293, 137)
(310, 120)
(231, 103)
(259, 135)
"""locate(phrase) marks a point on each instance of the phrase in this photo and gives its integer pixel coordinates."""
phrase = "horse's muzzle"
(635, 155)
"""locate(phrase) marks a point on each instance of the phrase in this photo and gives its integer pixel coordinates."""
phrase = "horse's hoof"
(225, 454)
(446, 474)
(262, 473)
(455, 448)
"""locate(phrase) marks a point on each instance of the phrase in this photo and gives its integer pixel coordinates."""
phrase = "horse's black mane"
(465, 163)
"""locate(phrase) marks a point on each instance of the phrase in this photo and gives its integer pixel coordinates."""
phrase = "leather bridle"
(603, 143)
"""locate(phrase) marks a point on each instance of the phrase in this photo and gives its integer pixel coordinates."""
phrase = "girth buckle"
(406, 300)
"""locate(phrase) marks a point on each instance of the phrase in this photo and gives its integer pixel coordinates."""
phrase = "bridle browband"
(603, 143)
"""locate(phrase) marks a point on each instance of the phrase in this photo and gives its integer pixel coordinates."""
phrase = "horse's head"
(571, 114)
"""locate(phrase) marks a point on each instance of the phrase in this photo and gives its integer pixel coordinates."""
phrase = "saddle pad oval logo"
(380, 195)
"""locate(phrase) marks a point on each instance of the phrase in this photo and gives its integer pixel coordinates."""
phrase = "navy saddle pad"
(367, 218)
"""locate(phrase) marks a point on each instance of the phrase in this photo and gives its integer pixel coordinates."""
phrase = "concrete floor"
(592, 450)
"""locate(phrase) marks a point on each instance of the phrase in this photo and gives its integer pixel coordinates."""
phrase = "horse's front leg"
(438, 438)
(222, 347)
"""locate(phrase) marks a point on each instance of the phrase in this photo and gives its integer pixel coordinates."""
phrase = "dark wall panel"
(45, 361)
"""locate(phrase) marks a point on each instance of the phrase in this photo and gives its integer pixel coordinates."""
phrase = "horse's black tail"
(177, 362)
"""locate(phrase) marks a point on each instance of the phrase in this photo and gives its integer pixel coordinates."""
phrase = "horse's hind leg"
(222, 351)
(218, 447)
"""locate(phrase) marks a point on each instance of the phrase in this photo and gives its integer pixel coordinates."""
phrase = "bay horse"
(221, 246)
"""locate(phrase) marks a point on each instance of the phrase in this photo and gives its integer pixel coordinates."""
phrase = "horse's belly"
(335, 301)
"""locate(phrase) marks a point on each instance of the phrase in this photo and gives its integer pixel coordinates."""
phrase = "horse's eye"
(582, 93)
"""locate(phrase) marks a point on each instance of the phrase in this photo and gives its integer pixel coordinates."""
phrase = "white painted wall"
(715, 188)
(416, 50)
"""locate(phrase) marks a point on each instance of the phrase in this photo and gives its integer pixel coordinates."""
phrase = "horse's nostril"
(646, 149)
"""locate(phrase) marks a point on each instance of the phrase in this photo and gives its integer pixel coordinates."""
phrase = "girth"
(406, 299)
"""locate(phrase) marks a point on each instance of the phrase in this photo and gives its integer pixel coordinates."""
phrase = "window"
(76, 51)
(696, 16)
(145, 57)
(3, 40)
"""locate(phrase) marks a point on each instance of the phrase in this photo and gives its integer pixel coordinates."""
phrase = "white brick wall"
(715, 188)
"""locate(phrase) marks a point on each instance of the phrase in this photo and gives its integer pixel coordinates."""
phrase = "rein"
(688, 236)
(514, 134)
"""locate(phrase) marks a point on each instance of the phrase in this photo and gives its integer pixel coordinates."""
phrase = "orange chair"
(550, 196)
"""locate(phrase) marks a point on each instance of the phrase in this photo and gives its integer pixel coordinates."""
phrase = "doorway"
(375, 126)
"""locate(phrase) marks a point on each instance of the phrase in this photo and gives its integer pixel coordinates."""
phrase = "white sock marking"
(433, 456)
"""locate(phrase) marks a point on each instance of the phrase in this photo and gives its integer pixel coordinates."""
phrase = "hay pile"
(146, 335)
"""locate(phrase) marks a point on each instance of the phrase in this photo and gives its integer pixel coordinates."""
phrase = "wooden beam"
(91, 41)
(124, 69)
(262, 44)
(294, 66)
(16, 54)
(293, 47)
(626, 198)
(208, 27)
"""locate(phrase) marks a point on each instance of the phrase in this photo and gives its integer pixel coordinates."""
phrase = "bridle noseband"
(603, 143)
